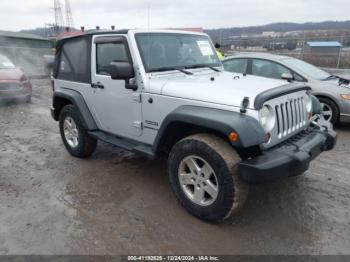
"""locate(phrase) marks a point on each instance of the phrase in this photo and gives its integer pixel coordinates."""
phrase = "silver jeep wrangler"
(164, 93)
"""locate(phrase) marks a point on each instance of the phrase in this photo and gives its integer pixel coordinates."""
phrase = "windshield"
(5, 63)
(306, 68)
(171, 51)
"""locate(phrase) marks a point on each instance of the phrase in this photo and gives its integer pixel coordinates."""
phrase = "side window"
(107, 53)
(268, 69)
(238, 65)
(74, 62)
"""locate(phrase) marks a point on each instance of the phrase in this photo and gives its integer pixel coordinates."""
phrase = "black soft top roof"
(90, 33)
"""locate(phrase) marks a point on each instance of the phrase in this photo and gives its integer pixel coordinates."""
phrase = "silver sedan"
(332, 91)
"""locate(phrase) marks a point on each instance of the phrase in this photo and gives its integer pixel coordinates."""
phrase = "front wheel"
(203, 172)
(75, 138)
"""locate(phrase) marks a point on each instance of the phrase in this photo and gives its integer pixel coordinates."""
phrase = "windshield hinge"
(137, 124)
(245, 104)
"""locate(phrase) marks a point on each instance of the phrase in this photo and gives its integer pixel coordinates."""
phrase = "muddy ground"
(120, 203)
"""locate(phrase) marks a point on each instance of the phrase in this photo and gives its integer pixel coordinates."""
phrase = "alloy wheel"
(198, 180)
(327, 111)
(71, 133)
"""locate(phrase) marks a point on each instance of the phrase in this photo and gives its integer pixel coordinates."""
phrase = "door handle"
(97, 85)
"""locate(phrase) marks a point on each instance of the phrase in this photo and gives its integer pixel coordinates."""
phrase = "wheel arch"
(190, 120)
(330, 97)
(64, 97)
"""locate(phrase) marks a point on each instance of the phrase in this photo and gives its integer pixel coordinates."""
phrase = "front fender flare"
(250, 132)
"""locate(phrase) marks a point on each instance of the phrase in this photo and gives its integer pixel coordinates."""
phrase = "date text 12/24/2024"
(173, 258)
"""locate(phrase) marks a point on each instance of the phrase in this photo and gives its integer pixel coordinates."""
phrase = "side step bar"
(124, 143)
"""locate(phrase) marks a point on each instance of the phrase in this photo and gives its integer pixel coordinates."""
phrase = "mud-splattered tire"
(74, 136)
(207, 152)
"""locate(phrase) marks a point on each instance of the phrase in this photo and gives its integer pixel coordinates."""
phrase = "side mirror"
(121, 70)
(287, 76)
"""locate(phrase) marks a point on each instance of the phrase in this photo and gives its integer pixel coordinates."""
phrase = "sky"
(27, 14)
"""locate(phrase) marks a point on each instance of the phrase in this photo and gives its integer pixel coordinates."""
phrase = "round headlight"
(267, 118)
(308, 103)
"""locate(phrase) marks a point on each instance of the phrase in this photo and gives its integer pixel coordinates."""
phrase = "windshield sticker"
(205, 48)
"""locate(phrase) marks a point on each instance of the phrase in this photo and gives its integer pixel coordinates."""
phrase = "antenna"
(59, 23)
(149, 36)
(69, 15)
(148, 17)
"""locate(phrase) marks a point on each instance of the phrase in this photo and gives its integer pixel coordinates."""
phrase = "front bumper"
(292, 157)
(8, 99)
(17, 94)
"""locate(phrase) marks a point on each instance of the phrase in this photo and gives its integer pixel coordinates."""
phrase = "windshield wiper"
(163, 69)
(331, 77)
(202, 66)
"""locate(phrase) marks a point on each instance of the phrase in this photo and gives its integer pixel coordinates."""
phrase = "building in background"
(26, 51)
(323, 47)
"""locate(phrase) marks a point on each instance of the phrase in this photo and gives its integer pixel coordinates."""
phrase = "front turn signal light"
(233, 137)
(347, 97)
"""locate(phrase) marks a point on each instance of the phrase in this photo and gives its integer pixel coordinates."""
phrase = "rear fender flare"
(78, 101)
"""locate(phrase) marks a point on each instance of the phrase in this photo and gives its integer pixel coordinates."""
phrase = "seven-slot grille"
(291, 116)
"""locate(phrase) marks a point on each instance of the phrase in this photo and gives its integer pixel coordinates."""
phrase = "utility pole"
(340, 51)
(69, 15)
(304, 45)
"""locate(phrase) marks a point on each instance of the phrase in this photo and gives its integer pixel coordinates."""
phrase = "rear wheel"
(329, 109)
(203, 172)
(74, 136)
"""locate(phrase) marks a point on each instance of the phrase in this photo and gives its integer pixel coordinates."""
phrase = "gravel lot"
(120, 203)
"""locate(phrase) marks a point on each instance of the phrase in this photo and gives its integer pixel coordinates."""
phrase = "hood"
(341, 81)
(331, 86)
(221, 88)
(11, 74)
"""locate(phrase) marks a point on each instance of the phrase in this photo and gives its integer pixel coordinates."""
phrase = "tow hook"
(319, 122)
(314, 119)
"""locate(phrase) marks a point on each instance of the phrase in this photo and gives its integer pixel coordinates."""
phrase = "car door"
(116, 109)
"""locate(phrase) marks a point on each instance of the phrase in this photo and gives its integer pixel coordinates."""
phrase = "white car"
(332, 91)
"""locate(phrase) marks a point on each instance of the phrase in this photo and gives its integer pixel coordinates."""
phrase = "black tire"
(335, 110)
(219, 154)
(86, 144)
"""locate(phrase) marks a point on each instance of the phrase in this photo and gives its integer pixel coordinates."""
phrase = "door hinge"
(136, 97)
(137, 124)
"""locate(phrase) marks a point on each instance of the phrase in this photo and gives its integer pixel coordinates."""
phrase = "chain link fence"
(330, 57)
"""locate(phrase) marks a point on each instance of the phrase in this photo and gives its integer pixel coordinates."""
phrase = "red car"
(14, 85)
